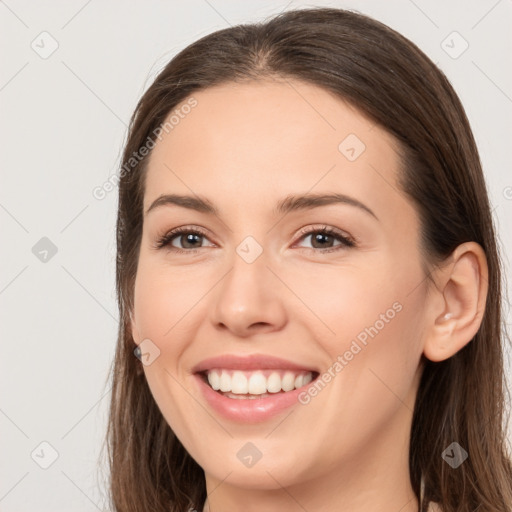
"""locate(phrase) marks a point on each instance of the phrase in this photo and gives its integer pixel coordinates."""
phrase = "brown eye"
(325, 237)
(190, 240)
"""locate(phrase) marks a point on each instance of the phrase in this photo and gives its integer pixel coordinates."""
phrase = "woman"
(361, 372)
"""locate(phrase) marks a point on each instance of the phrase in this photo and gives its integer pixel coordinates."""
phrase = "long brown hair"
(390, 80)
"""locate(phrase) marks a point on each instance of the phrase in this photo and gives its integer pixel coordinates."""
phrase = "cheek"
(164, 297)
(345, 299)
(379, 299)
(164, 307)
(374, 324)
(370, 384)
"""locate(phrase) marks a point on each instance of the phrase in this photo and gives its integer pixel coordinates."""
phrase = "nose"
(249, 299)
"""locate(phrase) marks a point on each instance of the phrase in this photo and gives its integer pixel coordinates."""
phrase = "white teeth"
(255, 382)
(214, 380)
(288, 381)
(274, 383)
(225, 382)
(239, 384)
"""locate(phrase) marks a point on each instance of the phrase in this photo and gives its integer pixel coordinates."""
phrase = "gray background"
(63, 122)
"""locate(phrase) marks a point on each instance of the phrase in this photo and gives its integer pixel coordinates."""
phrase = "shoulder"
(434, 507)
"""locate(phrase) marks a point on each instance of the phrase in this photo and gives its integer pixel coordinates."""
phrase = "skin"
(244, 147)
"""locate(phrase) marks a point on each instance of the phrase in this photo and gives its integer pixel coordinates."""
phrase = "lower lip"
(249, 410)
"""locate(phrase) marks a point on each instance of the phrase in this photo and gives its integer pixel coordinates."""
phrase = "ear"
(137, 340)
(133, 329)
(456, 304)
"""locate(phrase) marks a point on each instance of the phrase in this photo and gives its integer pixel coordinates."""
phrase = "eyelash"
(346, 241)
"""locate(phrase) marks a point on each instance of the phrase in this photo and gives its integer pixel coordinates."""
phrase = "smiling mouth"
(255, 384)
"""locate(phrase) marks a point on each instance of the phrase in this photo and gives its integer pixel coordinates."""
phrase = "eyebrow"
(288, 204)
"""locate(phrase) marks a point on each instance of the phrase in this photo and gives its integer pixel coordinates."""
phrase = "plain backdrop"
(71, 74)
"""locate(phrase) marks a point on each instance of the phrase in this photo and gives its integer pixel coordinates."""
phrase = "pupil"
(320, 237)
(190, 238)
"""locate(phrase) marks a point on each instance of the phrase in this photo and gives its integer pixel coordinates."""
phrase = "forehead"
(247, 144)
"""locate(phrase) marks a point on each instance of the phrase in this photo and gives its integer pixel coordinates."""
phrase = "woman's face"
(261, 279)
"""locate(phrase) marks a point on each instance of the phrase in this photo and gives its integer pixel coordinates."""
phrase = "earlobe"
(457, 304)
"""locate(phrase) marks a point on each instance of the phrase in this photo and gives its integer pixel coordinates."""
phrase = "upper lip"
(249, 362)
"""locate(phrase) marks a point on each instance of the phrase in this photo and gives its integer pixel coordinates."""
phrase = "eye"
(189, 237)
(324, 237)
